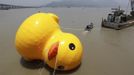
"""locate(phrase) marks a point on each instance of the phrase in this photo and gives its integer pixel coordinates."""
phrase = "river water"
(106, 51)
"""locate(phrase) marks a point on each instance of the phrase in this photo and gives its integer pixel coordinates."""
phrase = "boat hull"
(117, 26)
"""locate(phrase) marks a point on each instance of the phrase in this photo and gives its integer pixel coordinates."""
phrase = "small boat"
(118, 20)
(89, 27)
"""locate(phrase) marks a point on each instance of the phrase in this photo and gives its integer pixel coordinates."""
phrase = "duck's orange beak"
(53, 51)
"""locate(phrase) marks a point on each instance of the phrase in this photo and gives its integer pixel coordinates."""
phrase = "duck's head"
(63, 52)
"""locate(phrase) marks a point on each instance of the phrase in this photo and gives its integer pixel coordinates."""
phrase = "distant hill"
(9, 6)
(83, 3)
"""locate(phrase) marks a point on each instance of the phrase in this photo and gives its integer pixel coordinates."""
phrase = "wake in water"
(83, 31)
(72, 29)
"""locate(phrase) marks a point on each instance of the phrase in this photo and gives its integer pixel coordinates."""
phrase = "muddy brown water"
(106, 51)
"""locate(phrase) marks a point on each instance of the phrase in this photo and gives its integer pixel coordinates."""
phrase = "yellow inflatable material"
(40, 37)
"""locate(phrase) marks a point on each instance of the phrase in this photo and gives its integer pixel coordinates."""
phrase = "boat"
(118, 20)
(89, 27)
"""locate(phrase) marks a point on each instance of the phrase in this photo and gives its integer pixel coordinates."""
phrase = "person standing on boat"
(109, 18)
(112, 18)
(123, 18)
(117, 19)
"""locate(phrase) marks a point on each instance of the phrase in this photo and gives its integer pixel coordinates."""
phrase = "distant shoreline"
(8, 6)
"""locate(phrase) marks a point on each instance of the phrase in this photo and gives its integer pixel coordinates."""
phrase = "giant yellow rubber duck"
(40, 37)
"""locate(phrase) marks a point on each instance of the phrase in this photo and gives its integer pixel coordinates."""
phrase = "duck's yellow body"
(40, 37)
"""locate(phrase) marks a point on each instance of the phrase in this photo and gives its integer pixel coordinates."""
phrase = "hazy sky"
(27, 2)
(43, 2)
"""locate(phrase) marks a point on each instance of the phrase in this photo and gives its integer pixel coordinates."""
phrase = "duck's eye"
(71, 46)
